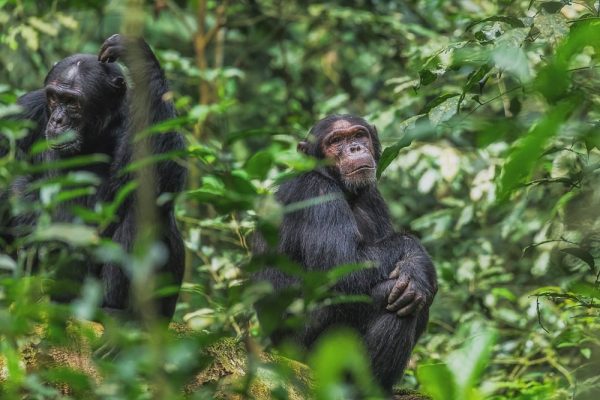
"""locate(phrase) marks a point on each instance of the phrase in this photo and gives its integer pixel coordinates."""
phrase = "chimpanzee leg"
(117, 283)
(115, 280)
(391, 339)
(171, 273)
(324, 319)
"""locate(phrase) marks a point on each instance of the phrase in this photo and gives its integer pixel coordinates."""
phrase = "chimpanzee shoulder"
(33, 108)
(308, 186)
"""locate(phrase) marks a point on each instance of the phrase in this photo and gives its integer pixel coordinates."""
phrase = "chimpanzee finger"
(405, 299)
(412, 308)
(111, 41)
(394, 274)
(398, 289)
(102, 53)
(111, 49)
(111, 54)
(104, 56)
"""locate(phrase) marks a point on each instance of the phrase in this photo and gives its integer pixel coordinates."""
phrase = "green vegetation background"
(489, 115)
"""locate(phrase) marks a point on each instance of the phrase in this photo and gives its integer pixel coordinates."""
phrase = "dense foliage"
(488, 112)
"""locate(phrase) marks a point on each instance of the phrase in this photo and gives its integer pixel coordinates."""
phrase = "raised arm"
(150, 103)
(146, 73)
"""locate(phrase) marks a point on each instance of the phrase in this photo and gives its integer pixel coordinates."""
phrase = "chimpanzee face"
(350, 148)
(65, 102)
(82, 95)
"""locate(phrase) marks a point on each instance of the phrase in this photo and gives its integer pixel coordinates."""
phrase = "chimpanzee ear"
(374, 128)
(302, 147)
(119, 82)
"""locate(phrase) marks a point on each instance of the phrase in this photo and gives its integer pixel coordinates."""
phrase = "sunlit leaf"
(7, 263)
(76, 235)
(336, 355)
(445, 110)
(437, 381)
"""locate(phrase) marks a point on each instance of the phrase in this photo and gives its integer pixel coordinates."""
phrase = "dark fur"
(354, 227)
(108, 116)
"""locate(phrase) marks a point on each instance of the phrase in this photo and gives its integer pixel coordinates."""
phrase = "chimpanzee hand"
(112, 49)
(127, 50)
(411, 291)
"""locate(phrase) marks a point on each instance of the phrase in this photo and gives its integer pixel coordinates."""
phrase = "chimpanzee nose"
(355, 147)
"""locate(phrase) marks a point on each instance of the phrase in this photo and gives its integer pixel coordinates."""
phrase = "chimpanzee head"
(351, 146)
(82, 96)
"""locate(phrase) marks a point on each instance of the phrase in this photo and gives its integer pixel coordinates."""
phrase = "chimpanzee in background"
(354, 227)
(86, 107)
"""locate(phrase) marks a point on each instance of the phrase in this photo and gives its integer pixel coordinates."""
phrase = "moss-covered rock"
(226, 372)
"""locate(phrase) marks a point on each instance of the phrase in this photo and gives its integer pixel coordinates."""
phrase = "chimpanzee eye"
(335, 140)
(73, 103)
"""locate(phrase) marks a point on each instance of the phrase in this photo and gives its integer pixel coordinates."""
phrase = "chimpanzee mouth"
(362, 168)
(68, 146)
(64, 145)
(63, 141)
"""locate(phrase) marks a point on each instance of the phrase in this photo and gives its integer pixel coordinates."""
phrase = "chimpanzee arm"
(324, 234)
(416, 280)
(277, 277)
(150, 104)
(413, 281)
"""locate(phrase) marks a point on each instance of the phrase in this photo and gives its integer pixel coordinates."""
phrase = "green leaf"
(426, 77)
(552, 27)
(437, 101)
(7, 263)
(76, 235)
(474, 80)
(391, 152)
(437, 381)
(525, 153)
(259, 164)
(552, 7)
(337, 355)
(445, 110)
(512, 59)
(554, 80)
(585, 289)
(582, 254)
(512, 21)
(505, 293)
(587, 353)
(468, 363)
(226, 193)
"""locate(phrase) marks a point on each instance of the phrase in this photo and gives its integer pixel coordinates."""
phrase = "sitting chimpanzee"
(353, 225)
(85, 108)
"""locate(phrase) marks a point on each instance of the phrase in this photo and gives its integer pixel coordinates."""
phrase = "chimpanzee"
(352, 226)
(87, 107)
